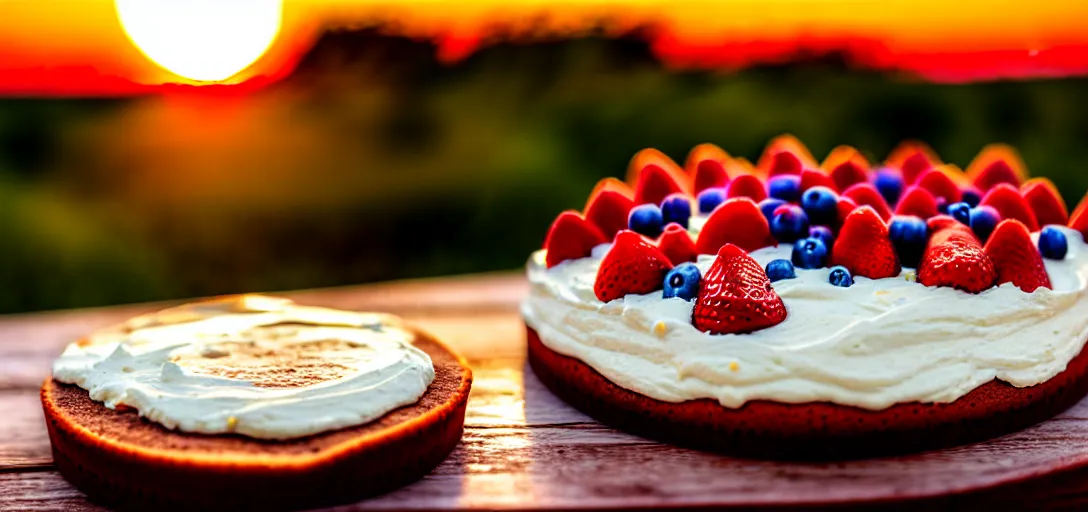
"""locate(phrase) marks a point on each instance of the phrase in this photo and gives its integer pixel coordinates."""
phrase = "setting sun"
(204, 40)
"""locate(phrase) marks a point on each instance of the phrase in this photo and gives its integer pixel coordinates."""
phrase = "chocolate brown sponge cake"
(259, 457)
(796, 309)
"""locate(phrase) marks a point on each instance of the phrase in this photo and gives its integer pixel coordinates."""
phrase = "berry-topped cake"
(800, 309)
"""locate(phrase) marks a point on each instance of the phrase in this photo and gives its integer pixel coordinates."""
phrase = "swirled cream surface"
(875, 344)
(257, 366)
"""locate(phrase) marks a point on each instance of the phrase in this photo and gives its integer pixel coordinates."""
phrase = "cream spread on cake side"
(872, 345)
(257, 366)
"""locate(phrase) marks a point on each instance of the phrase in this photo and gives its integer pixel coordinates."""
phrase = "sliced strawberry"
(676, 244)
(845, 206)
(817, 178)
(650, 156)
(785, 155)
(1045, 202)
(918, 202)
(570, 237)
(609, 205)
(1015, 257)
(1079, 219)
(706, 165)
(737, 221)
(863, 246)
(938, 182)
(747, 185)
(632, 265)
(1006, 199)
(784, 162)
(736, 296)
(864, 194)
(995, 164)
(954, 258)
(655, 184)
(846, 166)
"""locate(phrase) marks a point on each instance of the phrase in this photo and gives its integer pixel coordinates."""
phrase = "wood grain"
(525, 449)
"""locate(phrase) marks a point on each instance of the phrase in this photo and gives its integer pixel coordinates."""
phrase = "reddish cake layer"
(120, 459)
(818, 430)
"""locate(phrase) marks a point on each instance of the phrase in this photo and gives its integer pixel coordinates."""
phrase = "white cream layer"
(149, 363)
(875, 344)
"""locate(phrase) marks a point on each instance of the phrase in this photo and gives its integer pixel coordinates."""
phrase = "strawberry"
(817, 178)
(706, 165)
(1079, 219)
(996, 164)
(632, 265)
(1006, 199)
(609, 205)
(863, 246)
(1045, 202)
(747, 185)
(846, 166)
(650, 156)
(784, 162)
(845, 206)
(938, 182)
(676, 244)
(736, 296)
(912, 158)
(918, 202)
(785, 155)
(570, 237)
(864, 194)
(737, 221)
(954, 258)
(1015, 257)
(655, 183)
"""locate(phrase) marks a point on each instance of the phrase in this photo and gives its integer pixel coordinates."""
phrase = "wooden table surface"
(525, 449)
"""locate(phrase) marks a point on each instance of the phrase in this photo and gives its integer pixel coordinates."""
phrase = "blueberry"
(676, 208)
(768, 206)
(960, 211)
(823, 233)
(821, 204)
(889, 183)
(909, 235)
(809, 253)
(789, 224)
(786, 187)
(646, 219)
(983, 221)
(682, 281)
(840, 276)
(778, 270)
(1052, 243)
(942, 205)
(971, 196)
(710, 198)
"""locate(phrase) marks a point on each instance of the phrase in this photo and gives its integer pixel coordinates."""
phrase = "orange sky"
(78, 46)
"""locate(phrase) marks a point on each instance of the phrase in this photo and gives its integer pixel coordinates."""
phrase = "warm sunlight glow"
(205, 40)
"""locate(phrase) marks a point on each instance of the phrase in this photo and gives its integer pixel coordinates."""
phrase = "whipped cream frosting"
(257, 366)
(875, 344)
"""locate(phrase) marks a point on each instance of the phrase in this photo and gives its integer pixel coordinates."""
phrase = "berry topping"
(786, 187)
(737, 221)
(570, 237)
(821, 205)
(710, 198)
(823, 233)
(917, 202)
(909, 235)
(736, 296)
(768, 206)
(632, 265)
(889, 183)
(1015, 258)
(1008, 202)
(960, 211)
(864, 247)
(848, 174)
(785, 155)
(646, 219)
(942, 206)
(983, 221)
(865, 194)
(655, 183)
(784, 163)
(1045, 202)
(840, 276)
(954, 258)
(648, 157)
(816, 178)
(940, 184)
(971, 196)
(609, 206)
(706, 164)
(1079, 220)
(682, 282)
(747, 185)
(912, 158)
(789, 223)
(995, 164)
(845, 206)
(676, 208)
(778, 270)
(676, 244)
(1053, 244)
(809, 253)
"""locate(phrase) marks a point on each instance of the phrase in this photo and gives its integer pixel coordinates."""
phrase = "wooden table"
(525, 449)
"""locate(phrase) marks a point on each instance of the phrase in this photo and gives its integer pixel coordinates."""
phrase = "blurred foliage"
(375, 162)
